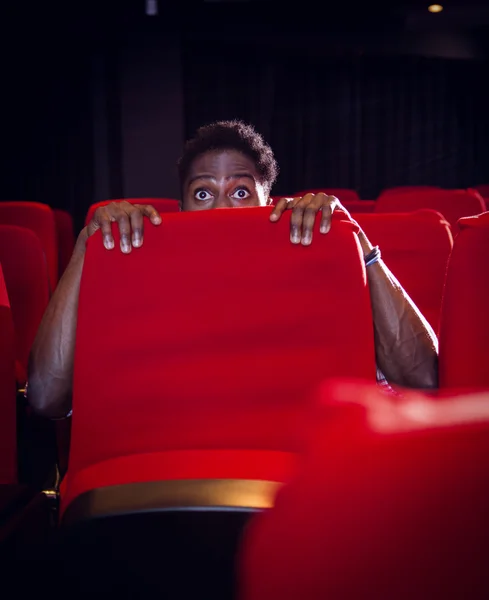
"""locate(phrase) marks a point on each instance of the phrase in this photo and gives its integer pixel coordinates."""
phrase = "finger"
(135, 215)
(327, 212)
(282, 205)
(309, 219)
(150, 212)
(124, 224)
(297, 218)
(102, 220)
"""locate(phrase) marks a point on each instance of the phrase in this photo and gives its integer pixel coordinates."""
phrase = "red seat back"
(66, 238)
(359, 206)
(391, 502)
(408, 189)
(8, 449)
(212, 333)
(452, 204)
(464, 333)
(39, 218)
(343, 194)
(162, 205)
(26, 278)
(416, 247)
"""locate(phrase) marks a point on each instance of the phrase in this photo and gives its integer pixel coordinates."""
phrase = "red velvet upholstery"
(406, 189)
(391, 502)
(26, 278)
(8, 448)
(359, 206)
(452, 204)
(464, 335)
(40, 219)
(162, 205)
(416, 247)
(483, 191)
(218, 327)
(344, 194)
(66, 238)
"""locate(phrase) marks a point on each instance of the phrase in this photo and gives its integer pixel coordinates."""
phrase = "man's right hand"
(129, 219)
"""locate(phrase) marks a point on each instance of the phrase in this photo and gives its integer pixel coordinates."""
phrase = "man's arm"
(50, 371)
(406, 346)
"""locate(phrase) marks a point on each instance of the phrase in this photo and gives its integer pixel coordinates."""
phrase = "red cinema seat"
(26, 278)
(8, 437)
(406, 189)
(452, 204)
(483, 190)
(359, 206)
(162, 205)
(343, 194)
(203, 361)
(416, 247)
(66, 238)
(390, 502)
(39, 218)
(464, 331)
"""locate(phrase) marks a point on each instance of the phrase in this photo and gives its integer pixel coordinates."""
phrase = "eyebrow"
(233, 176)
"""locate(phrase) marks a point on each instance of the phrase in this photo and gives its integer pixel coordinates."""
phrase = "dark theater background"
(355, 98)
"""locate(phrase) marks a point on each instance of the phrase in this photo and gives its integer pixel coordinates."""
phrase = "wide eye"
(241, 194)
(202, 195)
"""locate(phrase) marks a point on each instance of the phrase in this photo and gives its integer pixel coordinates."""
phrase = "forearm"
(50, 372)
(406, 346)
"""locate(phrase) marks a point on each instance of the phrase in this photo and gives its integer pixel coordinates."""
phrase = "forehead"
(221, 163)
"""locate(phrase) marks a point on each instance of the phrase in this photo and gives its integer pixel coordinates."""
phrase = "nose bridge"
(222, 199)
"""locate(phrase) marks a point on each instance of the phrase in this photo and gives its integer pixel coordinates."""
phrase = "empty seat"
(213, 333)
(464, 331)
(26, 277)
(416, 247)
(390, 502)
(40, 219)
(452, 204)
(359, 206)
(403, 189)
(8, 438)
(66, 238)
(483, 191)
(162, 205)
(344, 194)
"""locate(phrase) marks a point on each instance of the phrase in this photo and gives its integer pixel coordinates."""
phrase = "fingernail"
(136, 241)
(109, 244)
(307, 239)
(324, 228)
(156, 220)
(295, 238)
(273, 217)
(125, 247)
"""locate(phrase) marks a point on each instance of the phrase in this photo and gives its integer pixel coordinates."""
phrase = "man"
(226, 165)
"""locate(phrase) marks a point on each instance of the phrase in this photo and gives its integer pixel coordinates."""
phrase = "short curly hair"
(231, 135)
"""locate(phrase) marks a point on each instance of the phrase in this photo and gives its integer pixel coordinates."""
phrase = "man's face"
(222, 179)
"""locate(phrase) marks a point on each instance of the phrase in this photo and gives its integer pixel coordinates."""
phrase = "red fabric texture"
(403, 189)
(26, 277)
(464, 335)
(213, 334)
(66, 238)
(390, 502)
(359, 206)
(343, 194)
(416, 247)
(39, 218)
(452, 204)
(162, 205)
(8, 427)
